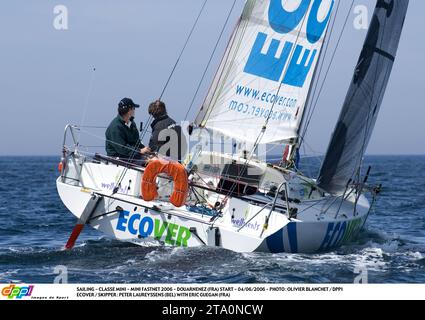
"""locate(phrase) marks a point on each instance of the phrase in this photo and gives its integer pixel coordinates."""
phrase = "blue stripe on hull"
(300, 238)
(275, 242)
(292, 235)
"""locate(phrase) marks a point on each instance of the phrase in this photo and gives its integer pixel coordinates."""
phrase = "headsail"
(267, 70)
(363, 101)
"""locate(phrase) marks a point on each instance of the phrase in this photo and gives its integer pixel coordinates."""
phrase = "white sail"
(267, 70)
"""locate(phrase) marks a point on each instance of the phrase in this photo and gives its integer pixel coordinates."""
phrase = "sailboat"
(236, 200)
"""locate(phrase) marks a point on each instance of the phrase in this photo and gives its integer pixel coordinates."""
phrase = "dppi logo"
(269, 65)
(13, 291)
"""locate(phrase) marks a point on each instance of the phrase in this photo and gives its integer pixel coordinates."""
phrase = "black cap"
(127, 103)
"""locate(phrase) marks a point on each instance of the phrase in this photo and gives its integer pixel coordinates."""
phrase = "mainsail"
(358, 116)
(267, 69)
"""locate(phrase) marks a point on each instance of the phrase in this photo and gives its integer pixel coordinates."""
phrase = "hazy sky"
(45, 74)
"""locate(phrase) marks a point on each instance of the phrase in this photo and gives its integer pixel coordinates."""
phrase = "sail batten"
(364, 98)
(266, 73)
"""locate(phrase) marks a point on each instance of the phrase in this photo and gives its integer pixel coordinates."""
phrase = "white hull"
(321, 224)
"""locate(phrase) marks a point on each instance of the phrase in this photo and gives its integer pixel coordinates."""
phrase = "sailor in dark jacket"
(122, 136)
(166, 135)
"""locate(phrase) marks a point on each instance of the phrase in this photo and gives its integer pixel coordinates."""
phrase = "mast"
(358, 116)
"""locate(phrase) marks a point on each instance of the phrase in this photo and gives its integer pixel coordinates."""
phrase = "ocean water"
(35, 226)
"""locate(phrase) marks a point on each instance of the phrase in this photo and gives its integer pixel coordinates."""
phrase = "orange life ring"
(174, 170)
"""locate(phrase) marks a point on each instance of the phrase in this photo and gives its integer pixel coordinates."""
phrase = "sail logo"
(300, 54)
(13, 291)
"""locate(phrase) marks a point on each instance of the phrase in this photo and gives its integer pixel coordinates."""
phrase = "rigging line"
(87, 100)
(104, 139)
(183, 49)
(210, 60)
(221, 74)
(327, 71)
(197, 201)
(176, 64)
(145, 130)
(197, 194)
(264, 128)
(311, 113)
(87, 147)
(309, 106)
(224, 75)
(221, 79)
(93, 127)
(313, 206)
(133, 154)
(281, 84)
(241, 29)
(230, 88)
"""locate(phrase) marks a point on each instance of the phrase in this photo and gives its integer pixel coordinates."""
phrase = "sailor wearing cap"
(122, 136)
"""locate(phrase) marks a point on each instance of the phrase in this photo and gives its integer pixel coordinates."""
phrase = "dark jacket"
(122, 140)
(166, 125)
